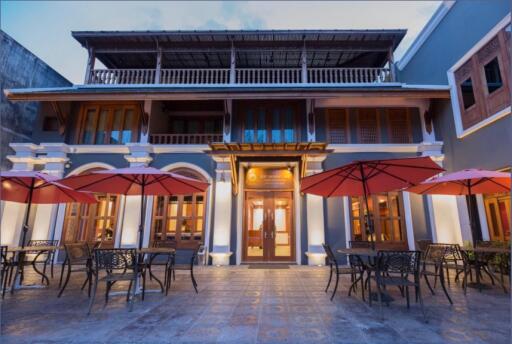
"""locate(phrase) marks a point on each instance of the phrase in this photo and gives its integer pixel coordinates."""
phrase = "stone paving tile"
(238, 305)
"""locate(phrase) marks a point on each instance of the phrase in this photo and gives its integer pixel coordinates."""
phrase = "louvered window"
(399, 126)
(368, 126)
(337, 126)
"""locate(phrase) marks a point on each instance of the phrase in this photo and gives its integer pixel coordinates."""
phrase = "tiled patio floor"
(240, 305)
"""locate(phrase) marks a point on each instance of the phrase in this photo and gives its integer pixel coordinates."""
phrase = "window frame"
(377, 125)
(111, 108)
(331, 113)
(407, 122)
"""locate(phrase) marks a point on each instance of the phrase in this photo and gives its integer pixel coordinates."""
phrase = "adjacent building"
(251, 112)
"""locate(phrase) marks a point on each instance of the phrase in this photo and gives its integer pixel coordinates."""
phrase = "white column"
(408, 220)
(315, 219)
(13, 213)
(140, 155)
(483, 218)
(222, 213)
(446, 219)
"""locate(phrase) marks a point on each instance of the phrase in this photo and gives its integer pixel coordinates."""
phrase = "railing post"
(304, 65)
(158, 66)
(391, 61)
(90, 65)
(232, 69)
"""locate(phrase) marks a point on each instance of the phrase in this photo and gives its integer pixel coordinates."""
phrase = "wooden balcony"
(184, 139)
(240, 76)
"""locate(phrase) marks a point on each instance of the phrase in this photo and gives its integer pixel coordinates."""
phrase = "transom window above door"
(269, 123)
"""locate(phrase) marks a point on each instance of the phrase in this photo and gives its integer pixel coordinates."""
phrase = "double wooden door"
(268, 226)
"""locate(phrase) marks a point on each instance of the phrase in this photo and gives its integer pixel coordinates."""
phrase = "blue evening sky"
(44, 27)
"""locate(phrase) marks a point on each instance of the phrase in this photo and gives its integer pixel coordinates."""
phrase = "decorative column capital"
(140, 154)
(25, 156)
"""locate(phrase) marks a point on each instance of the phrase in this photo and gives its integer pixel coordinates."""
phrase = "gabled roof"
(254, 48)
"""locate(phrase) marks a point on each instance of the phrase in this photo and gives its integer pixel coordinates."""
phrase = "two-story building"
(251, 112)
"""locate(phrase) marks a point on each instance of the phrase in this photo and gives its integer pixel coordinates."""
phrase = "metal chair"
(434, 258)
(166, 263)
(395, 268)
(78, 259)
(118, 264)
(184, 259)
(423, 244)
(6, 269)
(334, 268)
(497, 261)
(49, 255)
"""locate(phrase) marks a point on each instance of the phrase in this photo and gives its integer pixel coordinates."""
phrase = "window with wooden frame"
(368, 126)
(92, 222)
(399, 125)
(180, 219)
(483, 83)
(273, 122)
(387, 216)
(109, 123)
(337, 126)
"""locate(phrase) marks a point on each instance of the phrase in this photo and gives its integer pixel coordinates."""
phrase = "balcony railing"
(187, 139)
(242, 76)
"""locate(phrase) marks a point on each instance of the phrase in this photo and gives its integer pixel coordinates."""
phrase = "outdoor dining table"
(481, 253)
(152, 253)
(22, 252)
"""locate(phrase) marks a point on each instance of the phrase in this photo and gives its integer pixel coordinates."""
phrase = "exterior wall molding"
(461, 132)
(140, 154)
(90, 165)
(434, 147)
(425, 33)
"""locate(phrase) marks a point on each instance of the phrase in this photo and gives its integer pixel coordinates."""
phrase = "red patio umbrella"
(366, 177)
(32, 187)
(466, 182)
(141, 181)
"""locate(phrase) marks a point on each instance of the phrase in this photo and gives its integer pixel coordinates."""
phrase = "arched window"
(92, 222)
(180, 219)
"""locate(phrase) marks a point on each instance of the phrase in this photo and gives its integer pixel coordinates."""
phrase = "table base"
(385, 297)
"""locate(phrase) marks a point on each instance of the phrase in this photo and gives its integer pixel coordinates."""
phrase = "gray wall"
(462, 27)
(19, 68)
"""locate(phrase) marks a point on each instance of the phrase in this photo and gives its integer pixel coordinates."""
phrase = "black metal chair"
(166, 263)
(499, 262)
(78, 259)
(117, 264)
(6, 269)
(454, 260)
(423, 244)
(184, 259)
(433, 266)
(48, 255)
(395, 268)
(334, 268)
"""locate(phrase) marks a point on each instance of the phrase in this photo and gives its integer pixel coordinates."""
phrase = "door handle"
(264, 235)
(272, 234)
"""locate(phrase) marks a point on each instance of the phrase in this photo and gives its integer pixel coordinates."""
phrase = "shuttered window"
(368, 126)
(399, 126)
(337, 126)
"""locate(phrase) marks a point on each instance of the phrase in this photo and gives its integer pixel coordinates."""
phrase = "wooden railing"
(242, 76)
(348, 75)
(268, 76)
(187, 139)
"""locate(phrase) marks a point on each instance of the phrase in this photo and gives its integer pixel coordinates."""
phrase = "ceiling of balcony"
(254, 49)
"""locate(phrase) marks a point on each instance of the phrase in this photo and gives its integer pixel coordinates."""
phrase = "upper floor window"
(493, 75)
(368, 126)
(269, 123)
(109, 124)
(468, 94)
(337, 126)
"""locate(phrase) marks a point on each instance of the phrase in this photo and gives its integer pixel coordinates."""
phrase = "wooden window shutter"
(368, 126)
(399, 126)
(337, 126)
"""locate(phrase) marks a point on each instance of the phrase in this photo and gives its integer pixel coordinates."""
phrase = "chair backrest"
(3, 255)
(360, 244)
(77, 253)
(436, 253)
(165, 243)
(42, 243)
(115, 259)
(402, 262)
(423, 244)
(331, 258)
(187, 255)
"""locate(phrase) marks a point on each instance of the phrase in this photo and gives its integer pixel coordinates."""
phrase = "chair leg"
(107, 290)
(379, 297)
(65, 282)
(144, 284)
(368, 280)
(133, 293)
(91, 301)
(407, 297)
(447, 275)
(421, 303)
(362, 286)
(129, 289)
(330, 278)
(428, 284)
(44, 272)
(465, 280)
(194, 283)
(441, 280)
(335, 286)
(62, 271)
(89, 278)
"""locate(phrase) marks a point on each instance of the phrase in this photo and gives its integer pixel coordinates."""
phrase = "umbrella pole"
(470, 215)
(368, 220)
(142, 208)
(27, 214)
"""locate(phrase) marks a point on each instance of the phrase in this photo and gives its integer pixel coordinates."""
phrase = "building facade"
(19, 68)
(475, 125)
(251, 112)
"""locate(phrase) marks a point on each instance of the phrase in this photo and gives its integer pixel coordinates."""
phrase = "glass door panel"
(282, 225)
(254, 225)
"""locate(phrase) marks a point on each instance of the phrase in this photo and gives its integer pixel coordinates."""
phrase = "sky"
(44, 27)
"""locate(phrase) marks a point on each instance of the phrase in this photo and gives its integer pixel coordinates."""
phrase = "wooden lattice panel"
(368, 126)
(337, 126)
(399, 126)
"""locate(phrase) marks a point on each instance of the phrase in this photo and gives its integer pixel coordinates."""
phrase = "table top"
(34, 248)
(359, 251)
(155, 250)
(486, 249)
